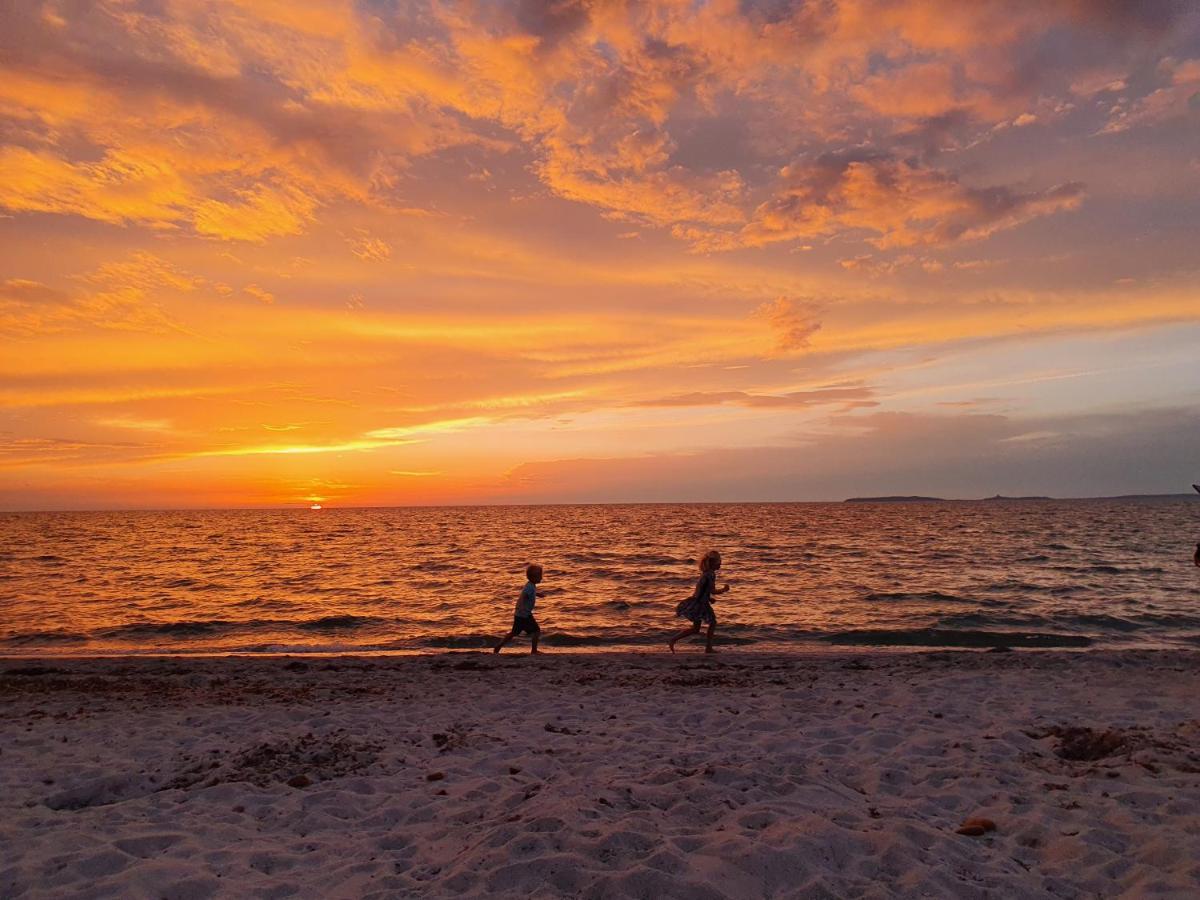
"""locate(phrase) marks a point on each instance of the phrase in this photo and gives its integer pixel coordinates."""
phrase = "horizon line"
(304, 506)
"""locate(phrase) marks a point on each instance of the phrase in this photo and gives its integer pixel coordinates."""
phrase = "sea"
(1034, 574)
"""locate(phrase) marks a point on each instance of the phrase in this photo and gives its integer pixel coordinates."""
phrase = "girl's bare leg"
(694, 629)
(708, 647)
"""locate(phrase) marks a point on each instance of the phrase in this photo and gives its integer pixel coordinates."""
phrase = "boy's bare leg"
(695, 629)
(534, 649)
(708, 647)
(504, 640)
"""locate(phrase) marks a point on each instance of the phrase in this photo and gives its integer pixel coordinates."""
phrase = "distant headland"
(916, 498)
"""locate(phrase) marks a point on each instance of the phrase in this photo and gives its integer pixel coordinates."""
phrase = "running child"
(523, 620)
(699, 607)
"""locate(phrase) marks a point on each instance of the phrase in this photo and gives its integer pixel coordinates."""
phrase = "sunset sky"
(267, 252)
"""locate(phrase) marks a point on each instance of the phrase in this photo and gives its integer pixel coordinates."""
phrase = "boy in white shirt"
(523, 620)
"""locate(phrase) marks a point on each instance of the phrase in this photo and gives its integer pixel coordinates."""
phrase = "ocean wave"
(566, 639)
(916, 597)
(979, 621)
(194, 584)
(329, 623)
(937, 637)
(1107, 569)
(459, 641)
(183, 628)
(198, 628)
(44, 637)
(1168, 620)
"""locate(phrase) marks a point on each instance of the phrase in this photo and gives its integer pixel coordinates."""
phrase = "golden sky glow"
(264, 252)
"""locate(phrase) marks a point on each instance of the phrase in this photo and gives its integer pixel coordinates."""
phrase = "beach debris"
(1082, 751)
(103, 791)
(435, 776)
(299, 781)
(315, 757)
(976, 827)
(453, 737)
(1081, 744)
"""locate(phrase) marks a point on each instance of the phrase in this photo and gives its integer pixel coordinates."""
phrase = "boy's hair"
(531, 570)
(707, 560)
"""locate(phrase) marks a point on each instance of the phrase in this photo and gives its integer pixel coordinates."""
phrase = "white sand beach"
(623, 775)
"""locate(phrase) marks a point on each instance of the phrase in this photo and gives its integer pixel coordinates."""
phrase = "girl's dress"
(698, 607)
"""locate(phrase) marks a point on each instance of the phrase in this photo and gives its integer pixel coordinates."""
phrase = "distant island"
(920, 499)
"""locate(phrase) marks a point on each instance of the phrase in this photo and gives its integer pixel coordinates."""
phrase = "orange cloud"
(845, 396)
(902, 203)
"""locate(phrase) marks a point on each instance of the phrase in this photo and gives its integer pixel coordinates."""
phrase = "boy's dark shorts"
(525, 625)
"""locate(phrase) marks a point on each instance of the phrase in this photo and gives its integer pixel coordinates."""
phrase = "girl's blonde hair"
(707, 560)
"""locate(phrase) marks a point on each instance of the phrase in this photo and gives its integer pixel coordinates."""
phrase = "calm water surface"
(1059, 573)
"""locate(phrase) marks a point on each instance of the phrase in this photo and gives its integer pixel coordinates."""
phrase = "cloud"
(229, 125)
(241, 122)
(848, 397)
(1178, 98)
(122, 296)
(260, 294)
(134, 423)
(21, 452)
(794, 323)
(949, 455)
(901, 202)
(368, 248)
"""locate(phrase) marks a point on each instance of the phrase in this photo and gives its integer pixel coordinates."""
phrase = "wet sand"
(620, 775)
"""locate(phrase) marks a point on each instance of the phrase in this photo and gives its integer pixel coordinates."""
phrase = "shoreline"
(800, 649)
(841, 774)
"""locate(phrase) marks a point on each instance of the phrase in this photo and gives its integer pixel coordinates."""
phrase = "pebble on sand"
(976, 827)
